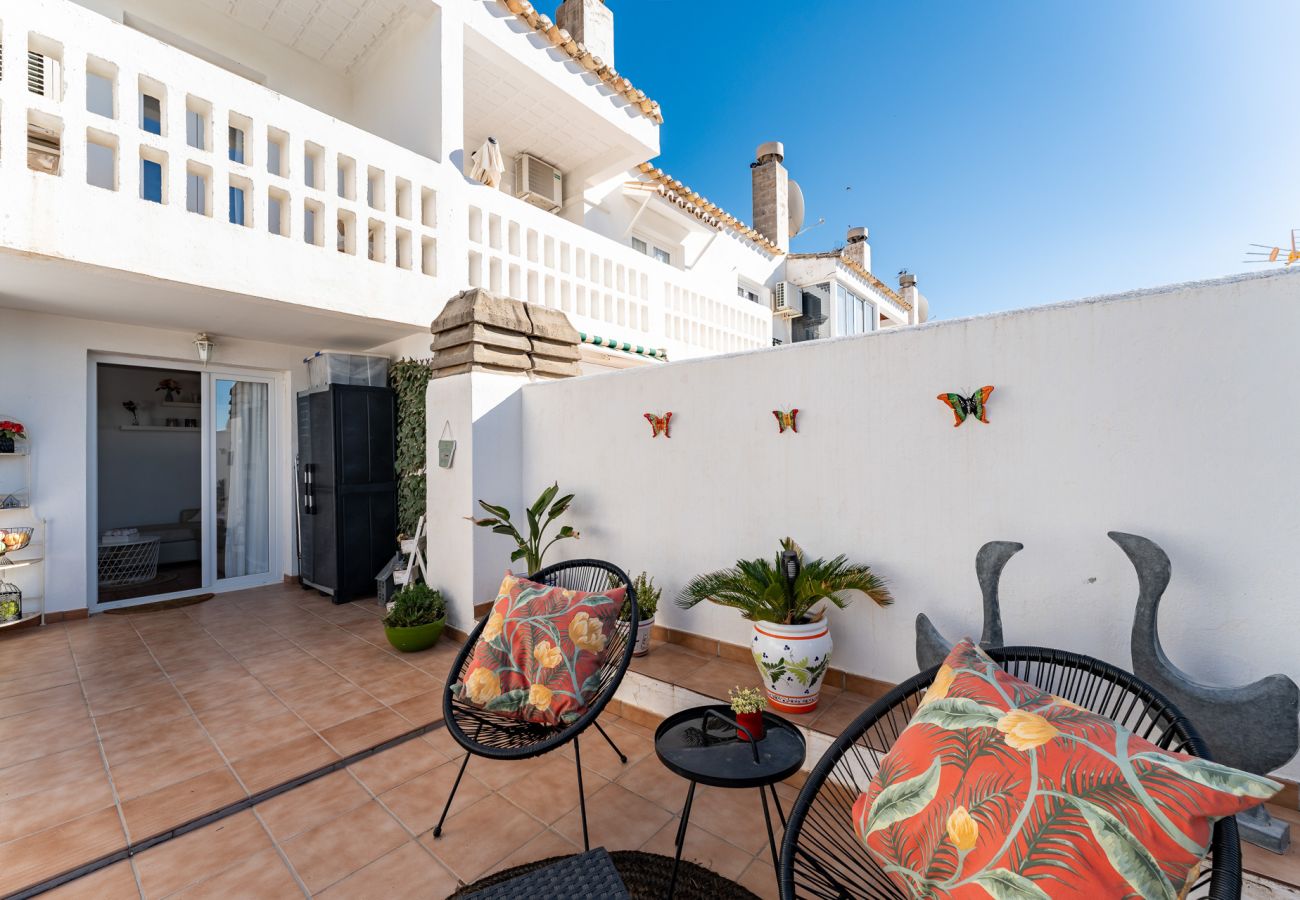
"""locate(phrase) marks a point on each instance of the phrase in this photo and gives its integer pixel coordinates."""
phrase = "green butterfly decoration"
(974, 405)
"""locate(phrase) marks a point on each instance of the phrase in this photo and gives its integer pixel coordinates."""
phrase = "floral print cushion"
(540, 654)
(997, 789)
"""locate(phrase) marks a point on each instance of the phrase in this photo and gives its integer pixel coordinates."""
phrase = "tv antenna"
(1271, 254)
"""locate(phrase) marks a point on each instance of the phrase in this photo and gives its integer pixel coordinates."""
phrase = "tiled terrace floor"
(127, 725)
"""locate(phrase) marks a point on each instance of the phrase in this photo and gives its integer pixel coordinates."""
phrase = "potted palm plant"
(545, 510)
(416, 619)
(647, 601)
(791, 641)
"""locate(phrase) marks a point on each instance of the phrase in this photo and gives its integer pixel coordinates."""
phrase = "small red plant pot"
(752, 722)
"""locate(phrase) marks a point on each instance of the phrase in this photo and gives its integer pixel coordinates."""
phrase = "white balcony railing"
(174, 167)
(604, 286)
(129, 153)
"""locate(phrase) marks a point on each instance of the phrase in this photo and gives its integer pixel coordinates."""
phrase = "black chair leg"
(609, 740)
(582, 798)
(437, 829)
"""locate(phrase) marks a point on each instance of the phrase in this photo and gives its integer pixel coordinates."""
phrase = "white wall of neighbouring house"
(49, 389)
(1162, 413)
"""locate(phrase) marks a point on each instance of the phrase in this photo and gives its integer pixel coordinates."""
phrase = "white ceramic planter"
(792, 661)
(641, 644)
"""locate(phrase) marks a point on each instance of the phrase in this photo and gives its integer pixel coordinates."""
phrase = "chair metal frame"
(496, 735)
(822, 857)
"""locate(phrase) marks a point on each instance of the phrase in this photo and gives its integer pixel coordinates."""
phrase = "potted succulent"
(791, 642)
(9, 433)
(647, 601)
(748, 705)
(545, 510)
(416, 619)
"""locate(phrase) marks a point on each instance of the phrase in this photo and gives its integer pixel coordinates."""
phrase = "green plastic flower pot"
(419, 637)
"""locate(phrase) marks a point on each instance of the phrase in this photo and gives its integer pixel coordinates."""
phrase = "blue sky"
(1010, 154)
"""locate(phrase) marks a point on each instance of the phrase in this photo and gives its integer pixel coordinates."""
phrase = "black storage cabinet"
(347, 488)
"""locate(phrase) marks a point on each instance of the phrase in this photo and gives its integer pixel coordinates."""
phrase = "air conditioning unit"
(787, 300)
(539, 183)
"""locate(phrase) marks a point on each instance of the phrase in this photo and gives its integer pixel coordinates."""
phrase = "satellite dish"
(796, 208)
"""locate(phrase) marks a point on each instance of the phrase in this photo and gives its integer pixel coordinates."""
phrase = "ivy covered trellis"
(410, 379)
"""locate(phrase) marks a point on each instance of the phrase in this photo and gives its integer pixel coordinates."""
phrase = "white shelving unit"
(24, 568)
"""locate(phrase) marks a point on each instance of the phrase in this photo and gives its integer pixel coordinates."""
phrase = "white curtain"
(248, 539)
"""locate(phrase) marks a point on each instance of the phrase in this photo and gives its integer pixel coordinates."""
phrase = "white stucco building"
(287, 177)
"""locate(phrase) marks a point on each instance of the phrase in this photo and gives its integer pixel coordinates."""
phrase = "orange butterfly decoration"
(786, 420)
(659, 424)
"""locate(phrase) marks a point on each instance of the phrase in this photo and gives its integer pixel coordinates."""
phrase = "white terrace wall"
(1162, 413)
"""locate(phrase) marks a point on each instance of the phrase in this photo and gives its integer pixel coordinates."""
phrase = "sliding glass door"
(242, 480)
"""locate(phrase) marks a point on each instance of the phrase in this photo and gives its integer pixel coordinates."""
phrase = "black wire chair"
(495, 735)
(822, 856)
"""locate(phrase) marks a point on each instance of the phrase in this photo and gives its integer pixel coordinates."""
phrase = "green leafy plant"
(416, 605)
(545, 510)
(409, 379)
(761, 591)
(647, 597)
(747, 700)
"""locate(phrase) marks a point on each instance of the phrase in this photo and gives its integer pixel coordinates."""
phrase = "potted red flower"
(9, 432)
(748, 705)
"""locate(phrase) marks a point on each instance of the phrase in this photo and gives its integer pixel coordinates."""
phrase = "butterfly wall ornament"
(659, 424)
(975, 405)
(786, 419)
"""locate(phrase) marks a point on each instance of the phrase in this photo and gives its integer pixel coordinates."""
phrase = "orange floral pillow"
(998, 789)
(540, 655)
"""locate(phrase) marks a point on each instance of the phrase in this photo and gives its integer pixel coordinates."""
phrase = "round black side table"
(702, 746)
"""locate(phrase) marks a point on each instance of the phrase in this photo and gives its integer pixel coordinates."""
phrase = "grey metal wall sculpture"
(1255, 727)
(931, 647)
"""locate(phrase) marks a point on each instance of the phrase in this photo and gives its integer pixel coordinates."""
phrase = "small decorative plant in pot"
(416, 619)
(10, 433)
(647, 601)
(748, 705)
(791, 641)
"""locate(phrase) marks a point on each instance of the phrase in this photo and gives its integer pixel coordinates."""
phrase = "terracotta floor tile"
(127, 745)
(702, 847)
(418, 802)
(760, 878)
(211, 695)
(11, 686)
(175, 804)
(117, 882)
(365, 731)
(47, 773)
(142, 718)
(834, 717)
(422, 708)
(240, 739)
(280, 763)
(408, 873)
(441, 740)
(41, 735)
(599, 757)
(63, 695)
(497, 773)
(652, 780)
(735, 815)
(200, 854)
(252, 708)
(55, 805)
(718, 676)
(38, 856)
(303, 808)
(387, 770)
(401, 687)
(481, 835)
(98, 686)
(616, 818)
(149, 695)
(332, 709)
(336, 849)
(304, 689)
(544, 846)
(174, 761)
(549, 789)
(262, 875)
(669, 662)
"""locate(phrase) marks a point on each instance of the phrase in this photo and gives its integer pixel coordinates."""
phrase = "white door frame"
(207, 533)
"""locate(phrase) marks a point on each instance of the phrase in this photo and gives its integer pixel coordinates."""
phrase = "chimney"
(908, 291)
(858, 249)
(591, 23)
(772, 194)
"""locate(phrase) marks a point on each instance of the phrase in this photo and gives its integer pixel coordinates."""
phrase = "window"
(151, 114)
(237, 215)
(663, 256)
(640, 246)
(151, 180)
(853, 314)
(745, 292)
(236, 141)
